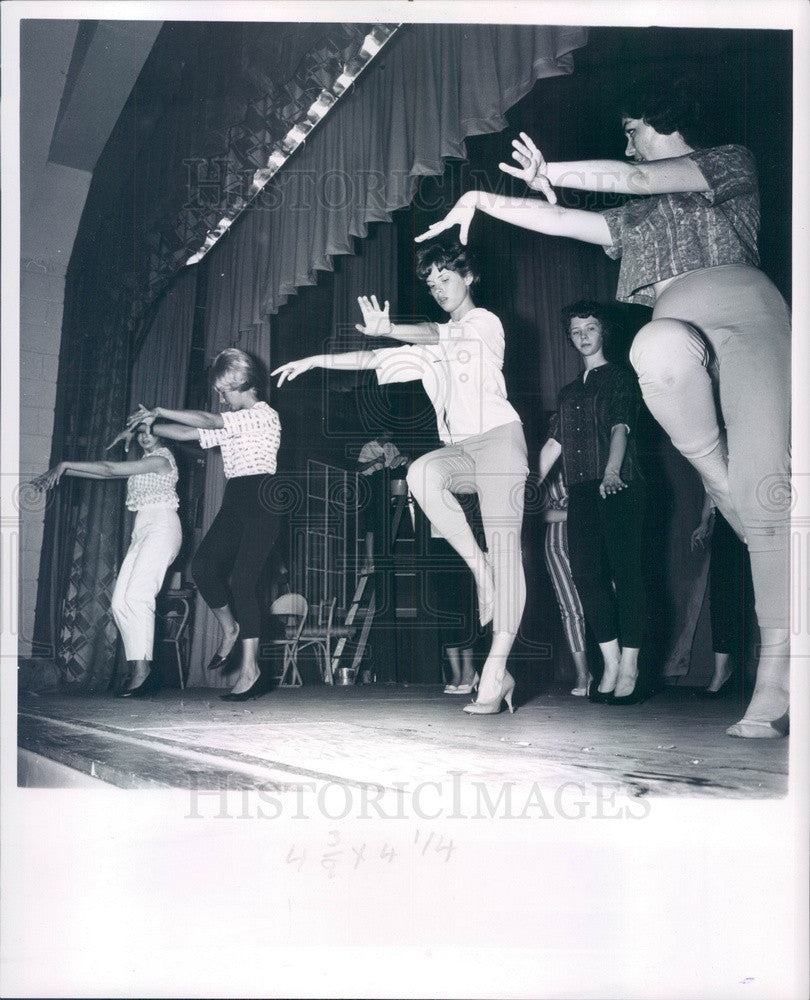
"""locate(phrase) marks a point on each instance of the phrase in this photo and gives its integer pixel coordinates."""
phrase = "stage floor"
(397, 737)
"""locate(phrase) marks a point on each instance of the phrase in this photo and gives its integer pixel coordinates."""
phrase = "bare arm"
(549, 454)
(529, 213)
(612, 481)
(189, 418)
(703, 532)
(619, 177)
(670, 176)
(377, 323)
(350, 361)
(176, 432)
(102, 470)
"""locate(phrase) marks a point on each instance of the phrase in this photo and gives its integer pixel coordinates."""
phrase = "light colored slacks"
(494, 465)
(156, 539)
(736, 314)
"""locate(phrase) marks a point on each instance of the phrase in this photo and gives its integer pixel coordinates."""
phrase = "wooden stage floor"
(397, 737)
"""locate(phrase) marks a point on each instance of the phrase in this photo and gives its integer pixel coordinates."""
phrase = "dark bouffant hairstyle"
(236, 369)
(667, 106)
(582, 310)
(447, 257)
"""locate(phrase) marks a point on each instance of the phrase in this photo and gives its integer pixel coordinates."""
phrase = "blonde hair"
(234, 369)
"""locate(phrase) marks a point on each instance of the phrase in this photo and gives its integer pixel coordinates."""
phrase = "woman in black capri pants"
(594, 430)
(231, 556)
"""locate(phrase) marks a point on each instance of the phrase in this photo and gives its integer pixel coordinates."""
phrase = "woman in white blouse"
(156, 539)
(484, 451)
(230, 559)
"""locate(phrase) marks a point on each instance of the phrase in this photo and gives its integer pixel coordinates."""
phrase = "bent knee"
(422, 474)
(667, 344)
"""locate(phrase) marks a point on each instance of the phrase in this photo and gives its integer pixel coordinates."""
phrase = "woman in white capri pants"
(484, 451)
(156, 539)
(688, 249)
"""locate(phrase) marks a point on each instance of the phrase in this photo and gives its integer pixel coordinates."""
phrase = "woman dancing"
(484, 450)
(688, 249)
(156, 539)
(231, 556)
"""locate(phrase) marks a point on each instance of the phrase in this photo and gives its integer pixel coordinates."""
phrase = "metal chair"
(174, 616)
(295, 609)
(320, 635)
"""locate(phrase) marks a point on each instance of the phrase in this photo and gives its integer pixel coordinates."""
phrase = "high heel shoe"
(451, 688)
(147, 686)
(494, 707)
(218, 662)
(752, 729)
(635, 697)
(598, 697)
(725, 689)
(256, 690)
(467, 688)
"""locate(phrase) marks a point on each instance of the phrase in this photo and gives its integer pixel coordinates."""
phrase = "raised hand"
(461, 215)
(532, 167)
(48, 479)
(126, 436)
(376, 321)
(141, 416)
(292, 370)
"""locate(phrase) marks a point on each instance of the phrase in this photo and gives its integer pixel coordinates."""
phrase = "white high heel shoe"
(494, 707)
(467, 688)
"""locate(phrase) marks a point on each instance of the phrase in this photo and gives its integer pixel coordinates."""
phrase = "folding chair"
(294, 608)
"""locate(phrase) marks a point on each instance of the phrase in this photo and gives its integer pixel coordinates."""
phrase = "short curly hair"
(450, 256)
(582, 310)
(671, 106)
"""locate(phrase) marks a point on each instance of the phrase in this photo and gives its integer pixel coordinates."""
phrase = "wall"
(42, 290)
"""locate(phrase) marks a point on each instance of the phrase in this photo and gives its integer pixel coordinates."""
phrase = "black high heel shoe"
(218, 662)
(598, 697)
(636, 696)
(149, 685)
(725, 689)
(259, 687)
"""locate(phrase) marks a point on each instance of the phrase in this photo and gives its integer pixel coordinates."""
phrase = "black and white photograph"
(405, 500)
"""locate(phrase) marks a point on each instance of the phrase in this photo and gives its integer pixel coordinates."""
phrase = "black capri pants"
(606, 544)
(231, 556)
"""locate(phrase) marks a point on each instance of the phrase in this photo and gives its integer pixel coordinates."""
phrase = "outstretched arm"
(377, 323)
(670, 176)
(350, 361)
(529, 213)
(188, 418)
(101, 470)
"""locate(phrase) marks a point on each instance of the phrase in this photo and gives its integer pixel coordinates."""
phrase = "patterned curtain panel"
(85, 521)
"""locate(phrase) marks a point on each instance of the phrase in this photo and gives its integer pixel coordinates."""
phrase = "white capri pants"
(156, 539)
(738, 312)
(494, 465)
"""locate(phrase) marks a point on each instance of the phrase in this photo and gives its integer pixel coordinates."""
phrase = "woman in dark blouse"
(688, 249)
(594, 431)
